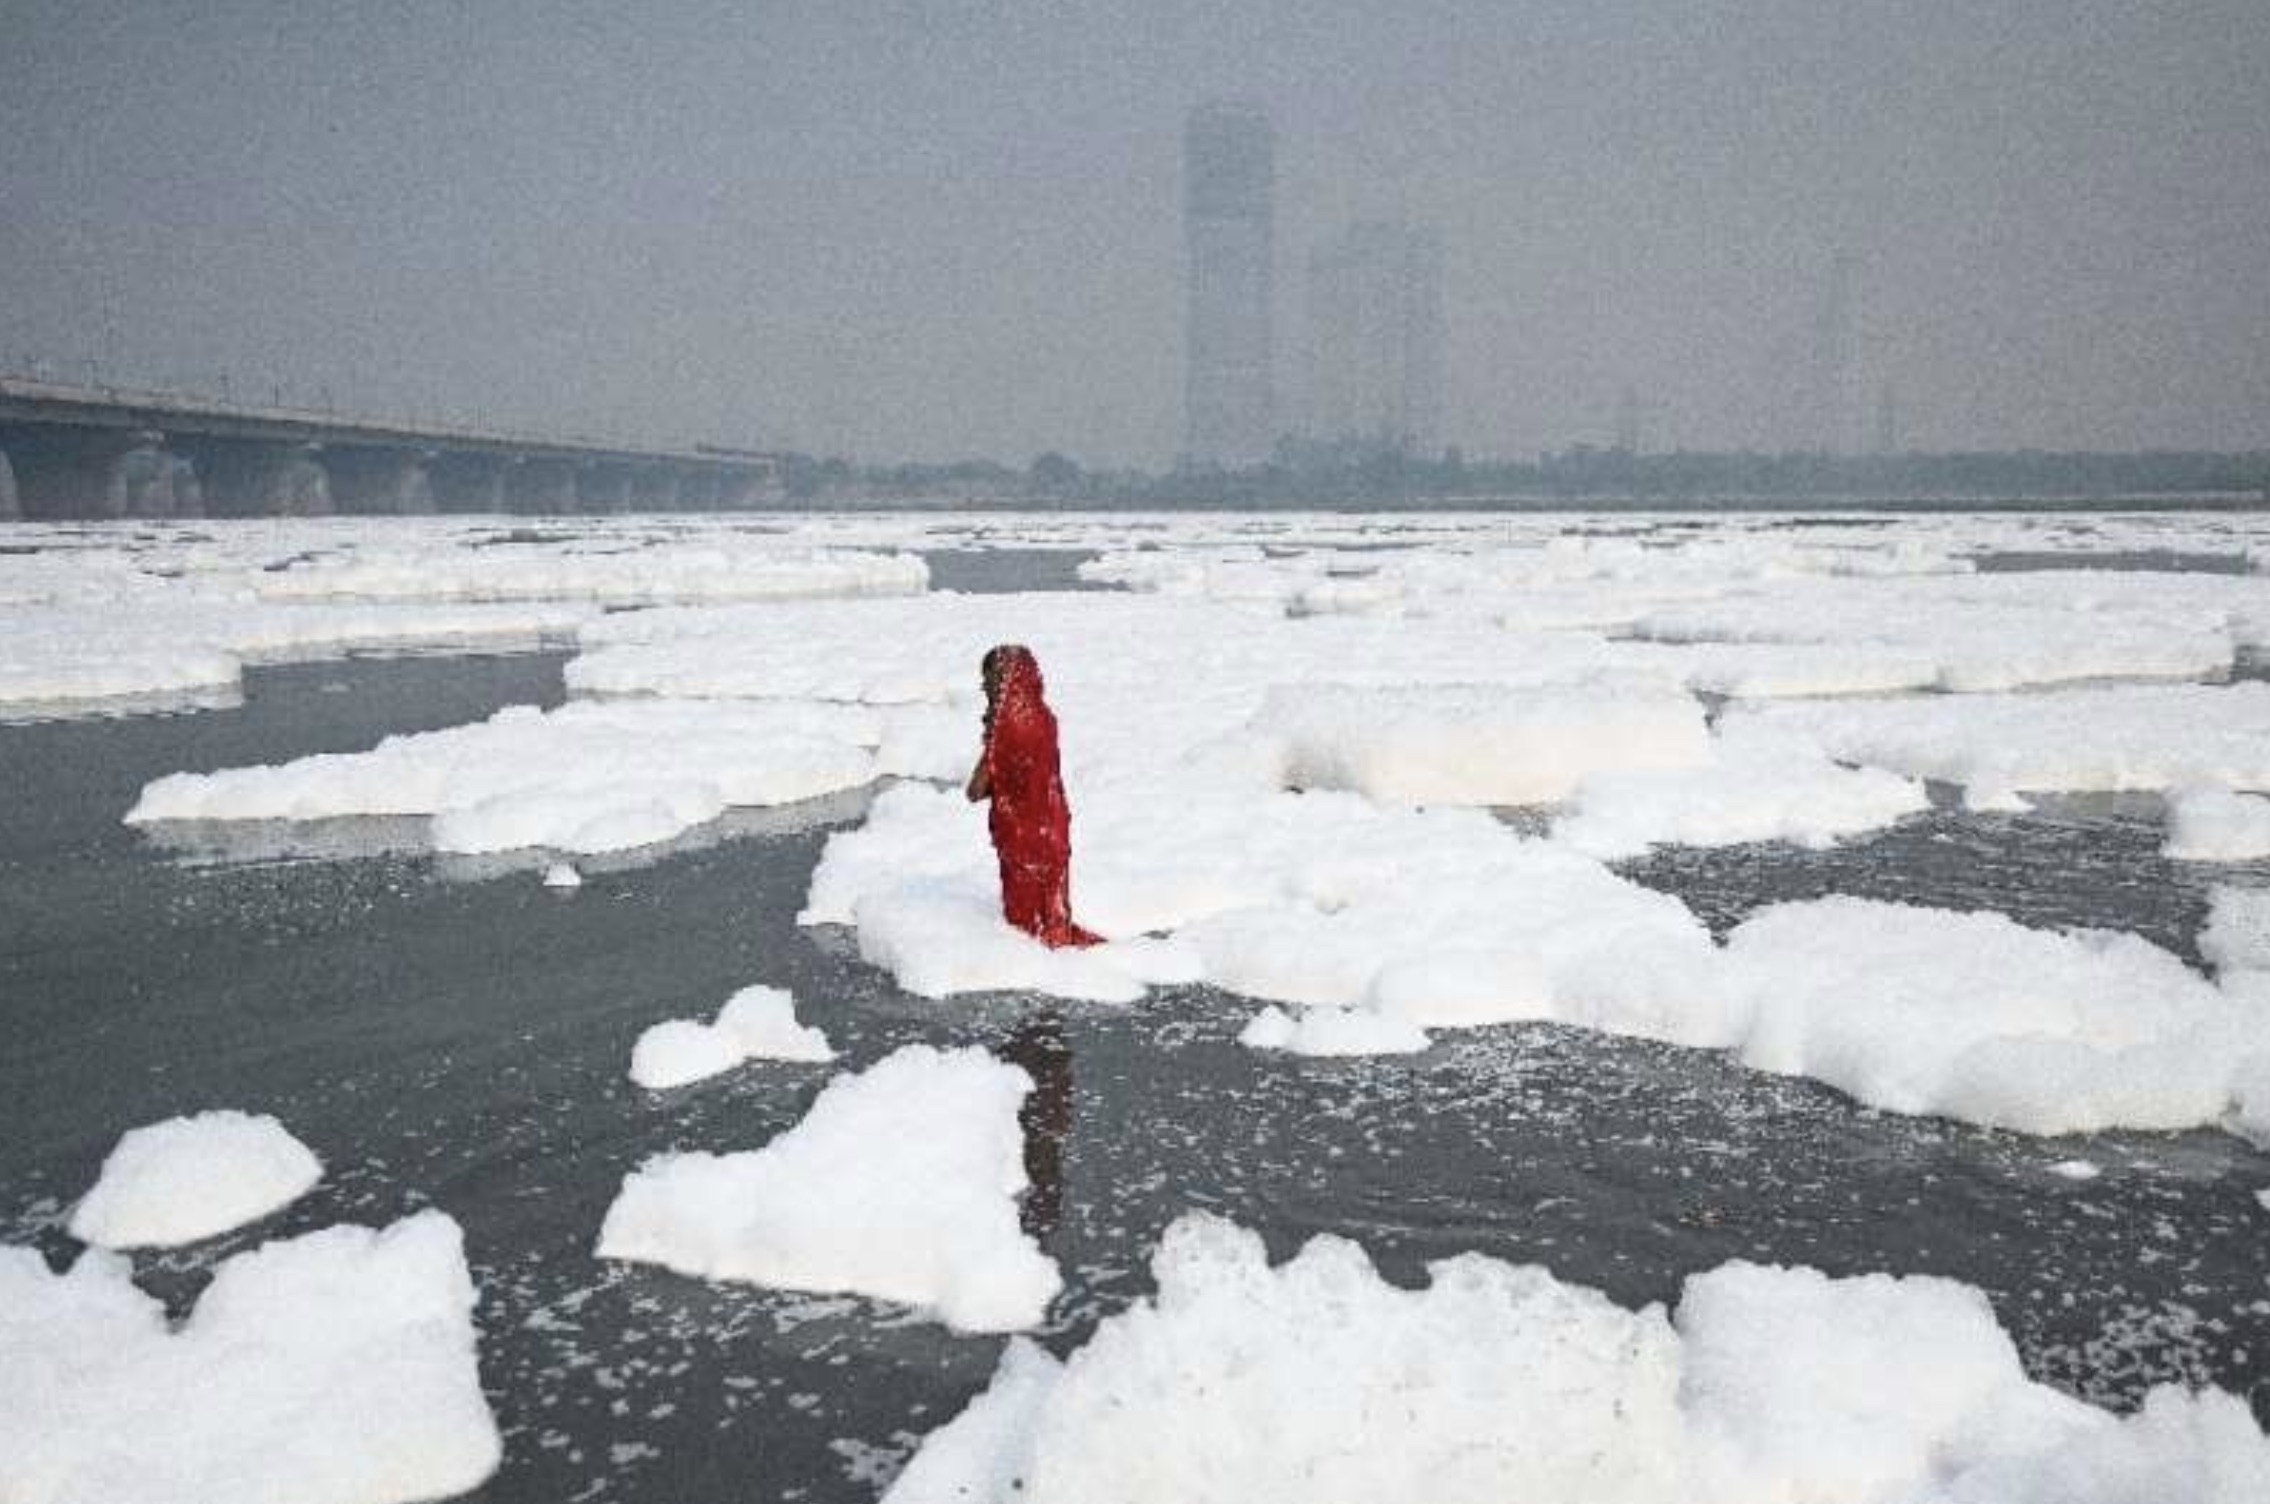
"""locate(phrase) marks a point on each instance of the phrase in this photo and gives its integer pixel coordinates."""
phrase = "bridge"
(91, 451)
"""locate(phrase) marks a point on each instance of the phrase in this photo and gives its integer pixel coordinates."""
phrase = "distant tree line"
(1303, 474)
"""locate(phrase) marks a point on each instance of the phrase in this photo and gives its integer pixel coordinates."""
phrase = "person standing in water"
(1031, 823)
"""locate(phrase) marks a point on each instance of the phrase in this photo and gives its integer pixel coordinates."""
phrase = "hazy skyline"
(954, 229)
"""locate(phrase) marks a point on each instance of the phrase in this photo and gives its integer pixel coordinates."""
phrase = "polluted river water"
(451, 1033)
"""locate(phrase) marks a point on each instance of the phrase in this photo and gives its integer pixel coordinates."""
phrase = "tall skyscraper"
(1229, 226)
(1835, 414)
(1375, 338)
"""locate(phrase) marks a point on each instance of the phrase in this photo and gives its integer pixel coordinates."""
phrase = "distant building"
(1229, 227)
(1888, 420)
(1835, 416)
(1375, 338)
(1627, 421)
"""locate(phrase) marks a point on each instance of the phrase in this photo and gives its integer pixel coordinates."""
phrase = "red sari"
(1030, 820)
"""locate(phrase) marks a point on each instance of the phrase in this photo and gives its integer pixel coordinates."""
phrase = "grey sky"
(949, 229)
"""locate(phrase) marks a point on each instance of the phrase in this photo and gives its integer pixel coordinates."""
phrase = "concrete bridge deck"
(86, 451)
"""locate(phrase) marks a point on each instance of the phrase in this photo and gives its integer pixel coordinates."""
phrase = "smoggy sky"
(951, 229)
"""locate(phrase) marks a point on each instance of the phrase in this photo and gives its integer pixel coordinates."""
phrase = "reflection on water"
(1039, 1048)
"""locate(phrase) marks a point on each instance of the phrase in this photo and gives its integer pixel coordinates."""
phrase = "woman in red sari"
(1031, 823)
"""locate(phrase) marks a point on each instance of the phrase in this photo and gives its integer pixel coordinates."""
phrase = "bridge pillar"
(382, 482)
(64, 472)
(702, 490)
(139, 480)
(467, 482)
(298, 485)
(606, 488)
(546, 486)
(255, 478)
(11, 505)
(656, 489)
(736, 490)
(188, 488)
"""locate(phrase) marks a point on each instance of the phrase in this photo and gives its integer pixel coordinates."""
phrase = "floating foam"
(1333, 1031)
(194, 1177)
(174, 641)
(721, 567)
(587, 777)
(1972, 1016)
(1994, 632)
(1498, 1382)
(756, 1023)
(2140, 737)
(2210, 824)
(953, 940)
(2237, 936)
(1473, 745)
(930, 1140)
(1320, 899)
(334, 1368)
(1762, 670)
(1758, 784)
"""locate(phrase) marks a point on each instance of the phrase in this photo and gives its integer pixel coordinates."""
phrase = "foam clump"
(585, 778)
(2210, 824)
(1985, 633)
(1996, 746)
(2237, 936)
(1970, 1015)
(1758, 784)
(756, 1023)
(951, 939)
(1498, 1382)
(719, 568)
(1333, 1031)
(1324, 899)
(1457, 744)
(195, 1177)
(168, 639)
(901, 1183)
(334, 1368)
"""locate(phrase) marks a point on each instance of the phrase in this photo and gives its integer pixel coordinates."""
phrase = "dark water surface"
(463, 1043)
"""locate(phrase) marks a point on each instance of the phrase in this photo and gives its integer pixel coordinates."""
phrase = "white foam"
(78, 655)
(1987, 632)
(334, 1368)
(1475, 745)
(2237, 936)
(756, 1023)
(2142, 737)
(194, 1177)
(2210, 824)
(1758, 784)
(1333, 1031)
(1317, 1380)
(1972, 1016)
(930, 1141)
(2250, 1097)
(718, 567)
(587, 777)
(1317, 899)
